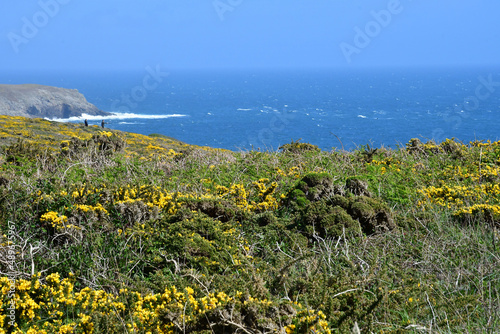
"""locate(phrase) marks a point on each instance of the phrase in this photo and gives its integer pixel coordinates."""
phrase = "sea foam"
(115, 116)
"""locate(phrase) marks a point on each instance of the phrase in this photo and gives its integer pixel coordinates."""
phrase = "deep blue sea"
(265, 109)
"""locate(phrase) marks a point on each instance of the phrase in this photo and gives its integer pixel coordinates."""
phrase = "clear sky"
(126, 34)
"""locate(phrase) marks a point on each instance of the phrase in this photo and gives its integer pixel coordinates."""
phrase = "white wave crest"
(113, 116)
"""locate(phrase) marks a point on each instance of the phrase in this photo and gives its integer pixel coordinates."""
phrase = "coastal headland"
(30, 100)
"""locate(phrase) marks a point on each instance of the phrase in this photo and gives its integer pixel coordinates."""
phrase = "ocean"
(258, 109)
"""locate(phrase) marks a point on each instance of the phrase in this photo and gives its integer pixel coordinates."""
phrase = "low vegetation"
(112, 232)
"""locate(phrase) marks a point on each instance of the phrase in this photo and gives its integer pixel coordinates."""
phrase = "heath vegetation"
(114, 232)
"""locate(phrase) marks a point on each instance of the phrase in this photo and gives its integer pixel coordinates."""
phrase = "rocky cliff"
(44, 101)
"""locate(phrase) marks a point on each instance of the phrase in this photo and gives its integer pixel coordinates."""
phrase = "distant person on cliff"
(102, 124)
(86, 123)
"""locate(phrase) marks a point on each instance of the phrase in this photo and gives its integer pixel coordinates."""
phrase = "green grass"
(288, 227)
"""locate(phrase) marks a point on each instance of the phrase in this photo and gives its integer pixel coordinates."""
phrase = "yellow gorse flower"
(57, 301)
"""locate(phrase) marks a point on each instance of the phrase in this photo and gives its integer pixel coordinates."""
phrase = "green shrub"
(328, 221)
(373, 215)
(297, 147)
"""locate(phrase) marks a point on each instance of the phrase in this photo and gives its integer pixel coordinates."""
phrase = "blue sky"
(125, 34)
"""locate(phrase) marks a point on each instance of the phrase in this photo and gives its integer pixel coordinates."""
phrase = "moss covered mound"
(331, 210)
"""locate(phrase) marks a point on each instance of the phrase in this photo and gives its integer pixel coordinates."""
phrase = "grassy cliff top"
(4, 88)
(112, 232)
(51, 135)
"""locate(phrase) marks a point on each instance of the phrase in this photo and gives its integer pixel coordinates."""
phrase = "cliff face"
(44, 101)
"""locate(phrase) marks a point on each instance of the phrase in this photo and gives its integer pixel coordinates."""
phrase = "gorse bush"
(105, 143)
(298, 147)
(110, 232)
(329, 210)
